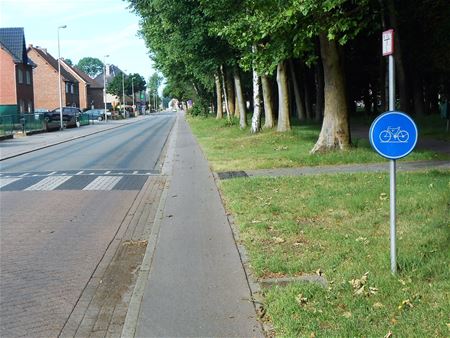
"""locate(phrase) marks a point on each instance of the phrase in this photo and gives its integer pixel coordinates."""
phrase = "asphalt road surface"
(60, 209)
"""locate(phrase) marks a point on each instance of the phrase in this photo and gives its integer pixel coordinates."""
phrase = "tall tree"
(91, 66)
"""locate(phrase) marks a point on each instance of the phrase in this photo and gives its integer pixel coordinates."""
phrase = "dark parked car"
(98, 114)
(70, 115)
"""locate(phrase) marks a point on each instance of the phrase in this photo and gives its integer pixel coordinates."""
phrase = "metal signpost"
(393, 135)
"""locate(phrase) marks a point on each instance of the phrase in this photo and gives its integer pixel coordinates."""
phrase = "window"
(67, 87)
(22, 106)
(71, 88)
(28, 77)
(30, 106)
(20, 75)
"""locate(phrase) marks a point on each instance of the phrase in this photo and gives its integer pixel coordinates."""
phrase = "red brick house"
(45, 77)
(16, 73)
(90, 91)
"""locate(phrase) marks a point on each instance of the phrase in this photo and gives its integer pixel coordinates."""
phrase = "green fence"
(6, 125)
(84, 119)
(33, 122)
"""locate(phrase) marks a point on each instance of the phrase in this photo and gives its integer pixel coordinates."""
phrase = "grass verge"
(229, 148)
(340, 225)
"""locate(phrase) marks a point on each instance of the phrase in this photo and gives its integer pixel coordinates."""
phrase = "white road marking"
(49, 183)
(108, 172)
(23, 175)
(80, 172)
(103, 183)
(5, 181)
(52, 173)
(135, 172)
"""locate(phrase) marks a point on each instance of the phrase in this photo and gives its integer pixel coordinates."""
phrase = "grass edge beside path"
(229, 148)
(300, 225)
(339, 225)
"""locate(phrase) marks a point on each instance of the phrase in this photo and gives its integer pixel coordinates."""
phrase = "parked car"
(98, 114)
(70, 115)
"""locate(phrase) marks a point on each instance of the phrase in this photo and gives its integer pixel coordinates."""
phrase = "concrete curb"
(132, 317)
(65, 141)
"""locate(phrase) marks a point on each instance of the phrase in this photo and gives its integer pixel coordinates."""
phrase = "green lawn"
(340, 224)
(228, 148)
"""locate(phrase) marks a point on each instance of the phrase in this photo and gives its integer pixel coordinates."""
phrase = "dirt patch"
(121, 273)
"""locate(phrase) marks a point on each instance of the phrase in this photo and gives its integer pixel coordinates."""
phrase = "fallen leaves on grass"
(278, 240)
(301, 300)
(405, 304)
(347, 314)
(360, 286)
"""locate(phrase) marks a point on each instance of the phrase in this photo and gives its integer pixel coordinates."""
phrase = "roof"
(86, 78)
(53, 63)
(13, 40)
(111, 72)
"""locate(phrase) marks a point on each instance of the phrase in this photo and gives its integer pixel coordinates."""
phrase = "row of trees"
(303, 59)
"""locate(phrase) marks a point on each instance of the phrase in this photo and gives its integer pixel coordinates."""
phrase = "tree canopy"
(91, 66)
(326, 53)
(126, 82)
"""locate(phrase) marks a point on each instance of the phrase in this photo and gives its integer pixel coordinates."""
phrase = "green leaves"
(91, 66)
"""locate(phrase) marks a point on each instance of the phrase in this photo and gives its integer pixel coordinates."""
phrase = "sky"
(95, 28)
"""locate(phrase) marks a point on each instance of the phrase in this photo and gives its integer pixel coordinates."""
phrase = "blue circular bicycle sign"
(393, 135)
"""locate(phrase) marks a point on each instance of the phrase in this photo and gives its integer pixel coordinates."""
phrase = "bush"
(200, 108)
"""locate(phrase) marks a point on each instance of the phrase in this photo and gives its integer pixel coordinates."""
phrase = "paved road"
(61, 209)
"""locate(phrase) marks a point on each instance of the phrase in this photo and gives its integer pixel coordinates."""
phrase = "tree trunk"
(219, 97)
(236, 103)
(403, 83)
(230, 93)
(283, 98)
(319, 91)
(335, 133)
(225, 93)
(240, 98)
(256, 118)
(268, 104)
(297, 95)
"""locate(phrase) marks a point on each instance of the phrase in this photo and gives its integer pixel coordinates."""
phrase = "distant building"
(45, 79)
(111, 72)
(16, 73)
(90, 91)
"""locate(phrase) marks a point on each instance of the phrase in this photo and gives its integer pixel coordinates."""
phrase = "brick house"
(91, 92)
(45, 77)
(16, 73)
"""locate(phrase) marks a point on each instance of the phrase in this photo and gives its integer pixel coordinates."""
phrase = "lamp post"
(123, 93)
(132, 91)
(104, 86)
(59, 81)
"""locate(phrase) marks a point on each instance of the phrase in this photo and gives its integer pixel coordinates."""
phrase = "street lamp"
(123, 93)
(132, 91)
(59, 81)
(104, 86)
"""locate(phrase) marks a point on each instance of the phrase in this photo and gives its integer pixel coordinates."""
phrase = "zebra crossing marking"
(49, 183)
(103, 183)
(6, 180)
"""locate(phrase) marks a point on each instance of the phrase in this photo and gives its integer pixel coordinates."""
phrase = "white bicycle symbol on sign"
(394, 135)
